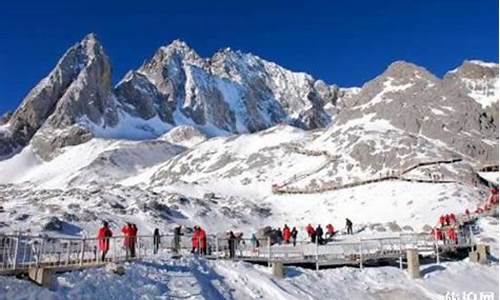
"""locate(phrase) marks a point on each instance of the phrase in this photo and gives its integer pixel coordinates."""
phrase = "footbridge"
(20, 253)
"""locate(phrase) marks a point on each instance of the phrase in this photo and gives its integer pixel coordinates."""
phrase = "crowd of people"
(450, 227)
(286, 235)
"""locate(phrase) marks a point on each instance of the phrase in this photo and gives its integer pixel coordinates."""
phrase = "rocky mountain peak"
(407, 71)
(177, 51)
(475, 69)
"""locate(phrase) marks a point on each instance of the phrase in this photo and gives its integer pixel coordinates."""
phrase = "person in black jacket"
(156, 240)
(319, 234)
(177, 239)
(294, 236)
(231, 241)
(348, 225)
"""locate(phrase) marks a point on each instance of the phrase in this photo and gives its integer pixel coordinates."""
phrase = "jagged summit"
(229, 92)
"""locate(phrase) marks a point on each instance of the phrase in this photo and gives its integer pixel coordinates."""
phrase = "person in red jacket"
(103, 236)
(330, 231)
(286, 234)
(447, 219)
(442, 221)
(309, 229)
(493, 198)
(195, 240)
(437, 234)
(127, 231)
(452, 235)
(311, 232)
(202, 241)
(453, 218)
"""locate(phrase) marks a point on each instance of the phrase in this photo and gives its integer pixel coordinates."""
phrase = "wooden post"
(413, 263)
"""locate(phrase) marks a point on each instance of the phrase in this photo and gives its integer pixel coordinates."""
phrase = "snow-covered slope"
(414, 100)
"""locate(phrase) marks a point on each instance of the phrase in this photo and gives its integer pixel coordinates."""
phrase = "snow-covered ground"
(193, 278)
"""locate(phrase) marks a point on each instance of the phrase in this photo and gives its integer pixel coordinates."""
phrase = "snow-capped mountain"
(446, 110)
(230, 92)
(247, 132)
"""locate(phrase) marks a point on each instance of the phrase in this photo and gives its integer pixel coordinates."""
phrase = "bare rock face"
(186, 136)
(77, 89)
(478, 80)
(414, 100)
(235, 92)
(5, 117)
(141, 98)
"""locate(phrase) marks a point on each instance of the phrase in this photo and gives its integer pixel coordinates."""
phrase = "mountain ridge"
(230, 92)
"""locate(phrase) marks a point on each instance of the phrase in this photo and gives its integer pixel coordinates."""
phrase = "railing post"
(40, 255)
(216, 247)
(82, 252)
(16, 248)
(471, 237)
(400, 252)
(68, 252)
(269, 250)
(317, 255)
(361, 254)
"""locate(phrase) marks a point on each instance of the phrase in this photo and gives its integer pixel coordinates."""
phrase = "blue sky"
(342, 42)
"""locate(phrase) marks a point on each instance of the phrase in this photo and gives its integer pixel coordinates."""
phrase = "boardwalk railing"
(18, 252)
(286, 188)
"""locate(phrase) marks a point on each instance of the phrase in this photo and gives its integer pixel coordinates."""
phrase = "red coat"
(202, 238)
(103, 236)
(452, 235)
(330, 229)
(127, 232)
(286, 234)
(194, 239)
(447, 219)
(309, 229)
(441, 220)
(453, 219)
(437, 234)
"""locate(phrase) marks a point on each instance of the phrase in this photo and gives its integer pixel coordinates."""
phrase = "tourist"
(156, 240)
(286, 234)
(294, 236)
(133, 239)
(195, 240)
(177, 239)
(202, 241)
(348, 224)
(319, 234)
(330, 231)
(127, 240)
(103, 236)
(255, 242)
(231, 241)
